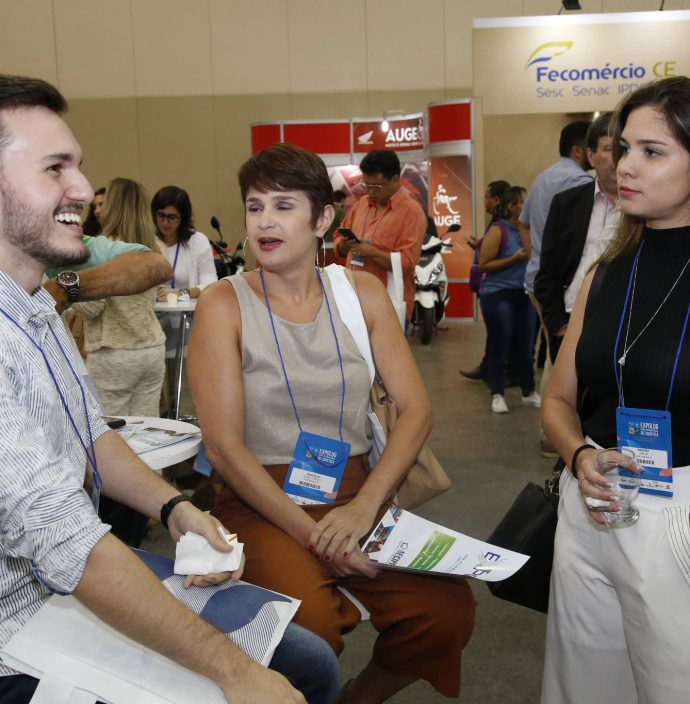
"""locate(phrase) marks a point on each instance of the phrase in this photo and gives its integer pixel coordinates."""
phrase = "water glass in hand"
(621, 470)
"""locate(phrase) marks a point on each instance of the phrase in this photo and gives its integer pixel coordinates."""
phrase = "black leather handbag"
(529, 527)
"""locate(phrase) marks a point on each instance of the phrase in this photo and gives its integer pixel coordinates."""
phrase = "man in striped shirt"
(53, 442)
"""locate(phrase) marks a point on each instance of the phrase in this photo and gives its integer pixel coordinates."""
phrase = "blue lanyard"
(92, 456)
(282, 362)
(619, 374)
(177, 254)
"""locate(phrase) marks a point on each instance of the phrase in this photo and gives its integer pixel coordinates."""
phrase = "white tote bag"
(79, 659)
(396, 289)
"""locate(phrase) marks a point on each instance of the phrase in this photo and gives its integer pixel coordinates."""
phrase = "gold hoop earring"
(244, 244)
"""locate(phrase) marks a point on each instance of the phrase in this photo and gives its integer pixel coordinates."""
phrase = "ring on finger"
(579, 482)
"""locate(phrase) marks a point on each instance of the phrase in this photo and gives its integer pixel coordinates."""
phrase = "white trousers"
(618, 628)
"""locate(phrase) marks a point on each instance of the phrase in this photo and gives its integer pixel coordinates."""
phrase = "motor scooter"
(431, 282)
(227, 263)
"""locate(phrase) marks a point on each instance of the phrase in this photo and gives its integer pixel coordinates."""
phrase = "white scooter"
(431, 281)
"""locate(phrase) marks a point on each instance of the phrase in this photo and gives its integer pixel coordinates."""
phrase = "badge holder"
(316, 469)
(647, 433)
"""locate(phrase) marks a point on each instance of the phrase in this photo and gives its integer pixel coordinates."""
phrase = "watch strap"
(72, 290)
(167, 507)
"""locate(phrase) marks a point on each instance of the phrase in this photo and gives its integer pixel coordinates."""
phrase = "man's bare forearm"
(124, 593)
(127, 274)
(127, 479)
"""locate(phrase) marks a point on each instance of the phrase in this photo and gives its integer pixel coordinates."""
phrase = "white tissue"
(194, 555)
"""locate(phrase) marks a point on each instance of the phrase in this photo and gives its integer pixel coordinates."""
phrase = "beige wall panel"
(250, 48)
(107, 132)
(410, 101)
(27, 47)
(176, 143)
(405, 44)
(591, 6)
(232, 116)
(458, 33)
(639, 5)
(328, 45)
(172, 47)
(520, 160)
(540, 7)
(95, 52)
(318, 106)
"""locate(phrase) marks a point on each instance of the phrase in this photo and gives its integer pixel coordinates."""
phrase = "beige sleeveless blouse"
(311, 360)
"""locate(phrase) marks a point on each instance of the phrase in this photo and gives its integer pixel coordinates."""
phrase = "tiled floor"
(490, 458)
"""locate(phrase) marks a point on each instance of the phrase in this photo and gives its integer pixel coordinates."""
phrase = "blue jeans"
(309, 663)
(302, 657)
(510, 322)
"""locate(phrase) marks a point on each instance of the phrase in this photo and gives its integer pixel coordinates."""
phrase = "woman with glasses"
(189, 253)
(187, 249)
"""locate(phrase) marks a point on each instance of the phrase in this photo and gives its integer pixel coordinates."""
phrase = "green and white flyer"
(402, 540)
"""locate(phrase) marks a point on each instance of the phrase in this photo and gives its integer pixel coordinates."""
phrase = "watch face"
(68, 278)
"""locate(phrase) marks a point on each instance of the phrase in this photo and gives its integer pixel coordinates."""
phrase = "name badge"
(647, 433)
(316, 470)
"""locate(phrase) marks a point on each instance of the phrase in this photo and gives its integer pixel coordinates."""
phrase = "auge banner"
(575, 63)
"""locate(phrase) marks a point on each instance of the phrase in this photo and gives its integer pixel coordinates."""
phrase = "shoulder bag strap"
(350, 311)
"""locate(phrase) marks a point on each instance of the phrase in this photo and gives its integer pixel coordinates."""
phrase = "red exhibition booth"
(436, 152)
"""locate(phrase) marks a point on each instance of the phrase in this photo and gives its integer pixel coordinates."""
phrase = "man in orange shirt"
(388, 220)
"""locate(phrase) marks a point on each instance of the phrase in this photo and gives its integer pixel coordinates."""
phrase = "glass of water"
(621, 470)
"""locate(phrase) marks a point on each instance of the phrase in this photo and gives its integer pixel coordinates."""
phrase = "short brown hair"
(285, 167)
(23, 92)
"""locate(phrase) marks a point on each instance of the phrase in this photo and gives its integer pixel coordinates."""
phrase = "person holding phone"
(387, 219)
(347, 233)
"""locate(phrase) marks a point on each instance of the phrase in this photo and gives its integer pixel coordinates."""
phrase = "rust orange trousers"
(423, 622)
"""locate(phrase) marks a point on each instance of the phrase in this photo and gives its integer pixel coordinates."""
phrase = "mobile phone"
(347, 233)
(114, 423)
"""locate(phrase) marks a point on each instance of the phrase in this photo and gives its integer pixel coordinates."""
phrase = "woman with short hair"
(270, 357)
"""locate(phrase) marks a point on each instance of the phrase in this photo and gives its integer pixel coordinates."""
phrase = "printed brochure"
(402, 540)
(142, 437)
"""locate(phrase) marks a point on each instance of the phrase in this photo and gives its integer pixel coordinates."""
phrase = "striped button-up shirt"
(48, 525)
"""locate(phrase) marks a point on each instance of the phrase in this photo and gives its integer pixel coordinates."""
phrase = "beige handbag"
(426, 478)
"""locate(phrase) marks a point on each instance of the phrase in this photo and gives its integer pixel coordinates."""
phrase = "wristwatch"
(69, 281)
(167, 508)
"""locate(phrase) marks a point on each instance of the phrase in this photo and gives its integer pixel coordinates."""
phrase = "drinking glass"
(621, 470)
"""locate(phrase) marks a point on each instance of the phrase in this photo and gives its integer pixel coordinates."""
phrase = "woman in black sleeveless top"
(618, 616)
